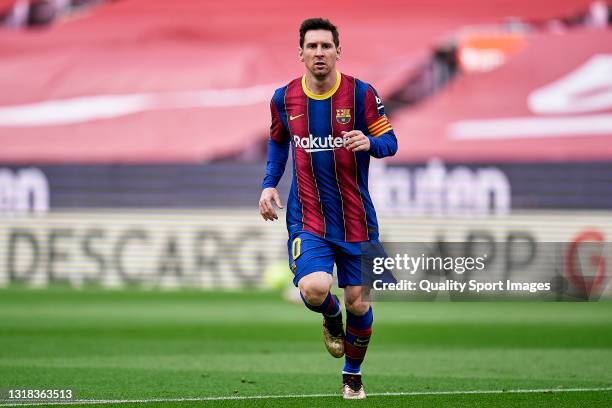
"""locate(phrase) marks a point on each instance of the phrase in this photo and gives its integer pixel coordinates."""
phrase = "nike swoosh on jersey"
(291, 117)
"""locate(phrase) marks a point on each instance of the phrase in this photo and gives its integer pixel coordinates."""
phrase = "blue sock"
(330, 306)
(358, 332)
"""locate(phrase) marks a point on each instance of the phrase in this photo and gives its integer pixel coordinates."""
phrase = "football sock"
(330, 306)
(358, 332)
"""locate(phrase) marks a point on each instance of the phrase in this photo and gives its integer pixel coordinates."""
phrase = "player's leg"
(315, 292)
(312, 263)
(358, 319)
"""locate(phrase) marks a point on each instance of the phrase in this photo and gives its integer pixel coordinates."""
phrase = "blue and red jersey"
(329, 191)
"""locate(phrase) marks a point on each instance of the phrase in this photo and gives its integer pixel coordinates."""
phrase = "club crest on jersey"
(343, 116)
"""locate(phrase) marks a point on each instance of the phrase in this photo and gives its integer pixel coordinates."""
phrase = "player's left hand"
(356, 141)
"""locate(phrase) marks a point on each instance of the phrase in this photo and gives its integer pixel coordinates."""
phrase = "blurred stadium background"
(132, 147)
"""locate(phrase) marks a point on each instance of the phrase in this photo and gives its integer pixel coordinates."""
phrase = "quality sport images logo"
(318, 144)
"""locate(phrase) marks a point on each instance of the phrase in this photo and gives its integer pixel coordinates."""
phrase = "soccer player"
(334, 123)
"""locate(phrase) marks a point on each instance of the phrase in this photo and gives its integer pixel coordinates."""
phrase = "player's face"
(319, 53)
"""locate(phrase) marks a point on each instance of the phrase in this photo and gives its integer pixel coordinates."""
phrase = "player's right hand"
(266, 208)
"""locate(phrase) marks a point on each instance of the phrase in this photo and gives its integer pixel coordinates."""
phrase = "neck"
(321, 85)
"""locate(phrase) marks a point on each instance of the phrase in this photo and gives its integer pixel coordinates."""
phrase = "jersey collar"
(327, 94)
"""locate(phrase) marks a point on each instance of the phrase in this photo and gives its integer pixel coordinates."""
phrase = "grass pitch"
(134, 344)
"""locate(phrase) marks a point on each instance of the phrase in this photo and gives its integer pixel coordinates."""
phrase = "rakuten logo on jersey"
(318, 144)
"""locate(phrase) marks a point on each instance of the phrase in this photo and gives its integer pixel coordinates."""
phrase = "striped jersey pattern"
(329, 192)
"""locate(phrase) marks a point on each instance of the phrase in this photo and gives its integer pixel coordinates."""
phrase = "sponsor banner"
(58, 187)
(208, 249)
(490, 189)
(431, 188)
(233, 248)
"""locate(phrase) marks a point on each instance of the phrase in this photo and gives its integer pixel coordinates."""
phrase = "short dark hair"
(318, 23)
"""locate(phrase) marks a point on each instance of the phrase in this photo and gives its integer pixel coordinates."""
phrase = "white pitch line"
(258, 397)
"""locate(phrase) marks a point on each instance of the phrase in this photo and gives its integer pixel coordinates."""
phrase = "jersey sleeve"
(278, 149)
(383, 142)
(278, 133)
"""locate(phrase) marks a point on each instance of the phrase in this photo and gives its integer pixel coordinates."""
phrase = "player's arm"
(278, 153)
(382, 139)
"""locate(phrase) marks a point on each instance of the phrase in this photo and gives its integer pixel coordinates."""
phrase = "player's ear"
(338, 52)
(301, 54)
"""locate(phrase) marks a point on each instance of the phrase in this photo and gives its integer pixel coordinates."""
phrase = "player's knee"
(314, 290)
(314, 294)
(357, 305)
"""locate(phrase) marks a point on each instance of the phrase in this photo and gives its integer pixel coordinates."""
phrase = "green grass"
(149, 344)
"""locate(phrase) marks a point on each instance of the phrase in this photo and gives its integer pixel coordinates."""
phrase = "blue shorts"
(310, 253)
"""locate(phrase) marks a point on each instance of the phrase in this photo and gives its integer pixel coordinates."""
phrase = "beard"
(320, 72)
